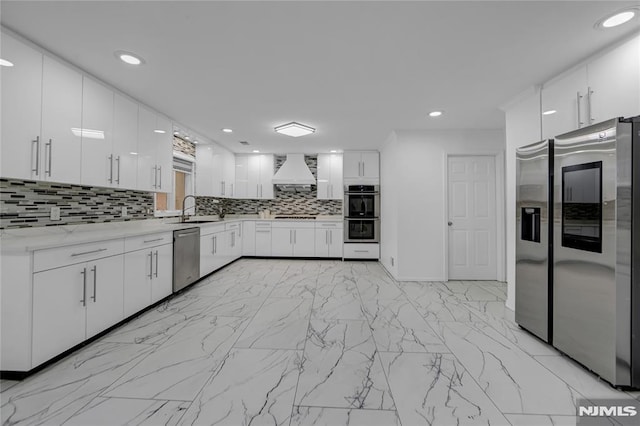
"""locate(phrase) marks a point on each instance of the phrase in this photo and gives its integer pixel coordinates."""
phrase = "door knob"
(449, 223)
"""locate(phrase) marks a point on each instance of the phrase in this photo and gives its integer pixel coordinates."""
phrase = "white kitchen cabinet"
(361, 166)
(293, 239)
(614, 83)
(234, 240)
(263, 239)
(228, 171)
(566, 96)
(21, 110)
(73, 303)
(215, 171)
(125, 142)
(61, 122)
(253, 176)
(248, 238)
(329, 238)
(162, 283)
(213, 248)
(204, 170)
(155, 151)
(330, 185)
(97, 136)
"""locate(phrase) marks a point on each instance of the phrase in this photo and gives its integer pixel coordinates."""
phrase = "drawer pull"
(154, 240)
(88, 252)
(361, 251)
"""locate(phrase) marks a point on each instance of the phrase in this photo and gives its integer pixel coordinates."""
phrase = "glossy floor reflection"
(299, 342)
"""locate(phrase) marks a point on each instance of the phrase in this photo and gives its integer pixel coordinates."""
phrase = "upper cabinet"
(215, 171)
(253, 176)
(330, 177)
(21, 110)
(155, 151)
(361, 166)
(125, 142)
(604, 88)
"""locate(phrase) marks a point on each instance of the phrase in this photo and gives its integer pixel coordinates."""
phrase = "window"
(182, 185)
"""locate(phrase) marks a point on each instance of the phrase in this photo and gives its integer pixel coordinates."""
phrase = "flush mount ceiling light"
(549, 112)
(129, 58)
(435, 113)
(5, 63)
(294, 129)
(227, 130)
(618, 18)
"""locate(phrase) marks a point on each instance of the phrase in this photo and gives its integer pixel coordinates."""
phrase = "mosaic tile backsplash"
(28, 204)
(302, 203)
(184, 147)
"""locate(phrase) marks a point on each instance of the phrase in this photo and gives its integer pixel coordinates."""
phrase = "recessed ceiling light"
(294, 129)
(187, 138)
(133, 153)
(5, 63)
(129, 58)
(618, 18)
(256, 150)
(333, 151)
(549, 112)
(227, 130)
(160, 131)
(195, 141)
(435, 113)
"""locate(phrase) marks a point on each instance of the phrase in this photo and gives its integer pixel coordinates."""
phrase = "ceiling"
(353, 70)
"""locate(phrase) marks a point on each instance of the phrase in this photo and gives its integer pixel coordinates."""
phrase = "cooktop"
(294, 217)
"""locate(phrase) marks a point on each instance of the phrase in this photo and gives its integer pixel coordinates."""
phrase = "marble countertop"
(39, 238)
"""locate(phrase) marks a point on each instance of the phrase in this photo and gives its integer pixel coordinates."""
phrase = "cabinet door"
(322, 242)
(263, 242)
(105, 292)
(61, 122)
(352, 165)
(228, 174)
(163, 136)
(335, 242)
(324, 176)
(59, 296)
(204, 170)
(337, 188)
(217, 165)
(614, 80)
(242, 176)
(304, 242)
(207, 254)
(281, 242)
(97, 136)
(125, 142)
(248, 238)
(21, 147)
(566, 96)
(137, 281)
(147, 168)
(253, 177)
(370, 165)
(162, 282)
(266, 176)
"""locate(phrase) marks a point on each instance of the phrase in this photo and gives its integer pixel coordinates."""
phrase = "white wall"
(414, 176)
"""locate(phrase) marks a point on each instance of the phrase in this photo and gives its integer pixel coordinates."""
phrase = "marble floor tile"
(179, 368)
(375, 287)
(540, 420)
(281, 323)
(341, 368)
(319, 416)
(580, 379)
(435, 389)
(469, 290)
(296, 285)
(342, 302)
(124, 411)
(436, 304)
(253, 386)
(6, 384)
(57, 392)
(398, 327)
(513, 380)
(499, 291)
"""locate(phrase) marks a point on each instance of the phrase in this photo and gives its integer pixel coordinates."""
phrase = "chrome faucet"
(183, 217)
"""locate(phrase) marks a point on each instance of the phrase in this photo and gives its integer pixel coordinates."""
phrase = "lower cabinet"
(249, 238)
(148, 276)
(213, 252)
(329, 242)
(263, 239)
(297, 239)
(74, 303)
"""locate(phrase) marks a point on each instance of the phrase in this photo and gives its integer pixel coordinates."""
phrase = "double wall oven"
(362, 214)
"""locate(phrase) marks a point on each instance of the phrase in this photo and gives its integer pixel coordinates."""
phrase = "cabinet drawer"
(263, 225)
(234, 225)
(63, 256)
(211, 228)
(144, 241)
(330, 225)
(361, 251)
(293, 224)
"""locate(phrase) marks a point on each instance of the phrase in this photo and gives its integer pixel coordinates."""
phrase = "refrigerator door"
(592, 248)
(533, 237)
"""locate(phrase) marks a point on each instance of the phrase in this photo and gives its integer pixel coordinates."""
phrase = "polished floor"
(298, 342)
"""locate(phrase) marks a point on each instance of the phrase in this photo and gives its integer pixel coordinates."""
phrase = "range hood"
(294, 171)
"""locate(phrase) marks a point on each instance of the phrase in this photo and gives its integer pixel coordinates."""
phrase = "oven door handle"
(362, 218)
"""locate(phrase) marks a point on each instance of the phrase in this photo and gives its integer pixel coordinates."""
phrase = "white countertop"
(39, 238)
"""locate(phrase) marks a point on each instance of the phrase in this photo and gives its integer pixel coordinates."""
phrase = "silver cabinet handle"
(295, 236)
(95, 281)
(50, 145)
(110, 168)
(156, 274)
(37, 142)
(154, 240)
(326, 237)
(118, 169)
(361, 251)
(263, 231)
(578, 99)
(213, 245)
(84, 287)
(231, 194)
(257, 190)
(363, 164)
(150, 265)
(221, 188)
(330, 237)
(155, 176)
(88, 252)
(589, 107)
(160, 180)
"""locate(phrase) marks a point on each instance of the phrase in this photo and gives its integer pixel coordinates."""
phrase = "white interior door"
(472, 218)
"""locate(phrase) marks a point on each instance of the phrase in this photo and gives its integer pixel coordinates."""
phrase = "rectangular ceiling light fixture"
(294, 129)
(88, 133)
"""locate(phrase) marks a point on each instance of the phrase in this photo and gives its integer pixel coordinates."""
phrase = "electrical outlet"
(124, 211)
(392, 261)
(55, 213)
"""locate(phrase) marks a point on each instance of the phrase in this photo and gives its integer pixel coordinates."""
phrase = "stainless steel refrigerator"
(596, 300)
(534, 206)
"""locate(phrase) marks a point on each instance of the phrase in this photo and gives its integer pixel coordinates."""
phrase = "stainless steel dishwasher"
(186, 257)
